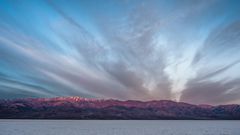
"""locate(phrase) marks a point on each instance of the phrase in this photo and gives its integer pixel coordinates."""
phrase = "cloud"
(19, 88)
(217, 62)
(209, 92)
(222, 41)
(215, 72)
(132, 50)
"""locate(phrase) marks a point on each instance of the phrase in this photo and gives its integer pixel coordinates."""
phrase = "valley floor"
(119, 127)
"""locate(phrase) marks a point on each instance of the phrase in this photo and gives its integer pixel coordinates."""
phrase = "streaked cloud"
(145, 50)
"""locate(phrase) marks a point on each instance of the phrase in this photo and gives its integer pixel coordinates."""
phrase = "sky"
(181, 50)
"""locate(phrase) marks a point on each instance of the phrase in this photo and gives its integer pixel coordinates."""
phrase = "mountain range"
(87, 108)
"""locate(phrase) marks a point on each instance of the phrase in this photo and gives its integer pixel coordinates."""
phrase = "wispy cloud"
(144, 50)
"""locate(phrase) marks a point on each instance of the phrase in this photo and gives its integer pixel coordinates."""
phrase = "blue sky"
(182, 50)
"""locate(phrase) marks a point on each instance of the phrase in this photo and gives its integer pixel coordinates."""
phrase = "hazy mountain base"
(81, 108)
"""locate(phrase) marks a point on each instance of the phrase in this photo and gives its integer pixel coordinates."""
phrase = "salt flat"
(119, 127)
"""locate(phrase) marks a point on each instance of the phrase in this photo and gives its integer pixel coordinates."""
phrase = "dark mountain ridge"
(83, 108)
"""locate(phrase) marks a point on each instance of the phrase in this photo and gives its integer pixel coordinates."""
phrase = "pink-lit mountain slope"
(82, 108)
